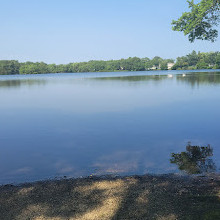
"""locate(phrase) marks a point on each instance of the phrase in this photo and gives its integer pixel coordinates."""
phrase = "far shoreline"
(118, 72)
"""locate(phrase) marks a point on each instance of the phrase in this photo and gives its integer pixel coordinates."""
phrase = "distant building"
(154, 67)
(170, 65)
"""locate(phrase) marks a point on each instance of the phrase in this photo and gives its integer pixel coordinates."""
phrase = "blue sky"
(63, 31)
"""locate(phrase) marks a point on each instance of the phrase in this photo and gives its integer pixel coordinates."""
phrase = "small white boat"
(170, 75)
(183, 75)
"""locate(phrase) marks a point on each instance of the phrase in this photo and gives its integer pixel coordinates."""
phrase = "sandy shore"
(136, 197)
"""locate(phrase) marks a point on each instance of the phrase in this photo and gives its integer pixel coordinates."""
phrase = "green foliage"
(199, 60)
(33, 68)
(199, 23)
(156, 61)
(191, 61)
(218, 61)
(163, 66)
(202, 65)
(9, 67)
(130, 64)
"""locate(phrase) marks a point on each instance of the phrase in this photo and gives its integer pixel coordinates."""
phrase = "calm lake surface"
(75, 125)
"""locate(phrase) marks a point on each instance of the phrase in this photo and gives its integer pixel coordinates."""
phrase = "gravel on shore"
(157, 197)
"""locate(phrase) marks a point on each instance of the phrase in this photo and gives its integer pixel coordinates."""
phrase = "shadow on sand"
(137, 197)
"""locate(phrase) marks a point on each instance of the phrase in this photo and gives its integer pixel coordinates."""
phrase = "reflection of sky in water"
(53, 126)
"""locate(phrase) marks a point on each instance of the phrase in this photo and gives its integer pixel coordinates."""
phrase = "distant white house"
(170, 65)
(154, 67)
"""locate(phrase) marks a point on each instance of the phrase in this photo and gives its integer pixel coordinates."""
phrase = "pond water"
(73, 125)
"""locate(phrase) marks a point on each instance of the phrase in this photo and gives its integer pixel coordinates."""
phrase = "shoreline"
(166, 196)
(118, 71)
(184, 176)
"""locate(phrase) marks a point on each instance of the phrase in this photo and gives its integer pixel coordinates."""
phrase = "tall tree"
(200, 21)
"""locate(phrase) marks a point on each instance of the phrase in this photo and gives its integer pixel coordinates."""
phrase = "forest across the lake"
(194, 60)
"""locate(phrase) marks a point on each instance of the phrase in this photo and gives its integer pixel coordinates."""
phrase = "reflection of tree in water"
(200, 78)
(195, 159)
(135, 78)
(18, 83)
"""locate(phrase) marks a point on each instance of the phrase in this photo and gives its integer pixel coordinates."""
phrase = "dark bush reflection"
(195, 160)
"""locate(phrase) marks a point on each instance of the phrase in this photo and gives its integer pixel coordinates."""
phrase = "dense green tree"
(202, 64)
(181, 63)
(218, 61)
(33, 68)
(147, 63)
(52, 68)
(164, 66)
(113, 65)
(209, 58)
(200, 21)
(192, 58)
(197, 61)
(9, 67)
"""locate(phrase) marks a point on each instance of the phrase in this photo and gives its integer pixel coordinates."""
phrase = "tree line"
(198, 60)
(130, 64)
(191, 61)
